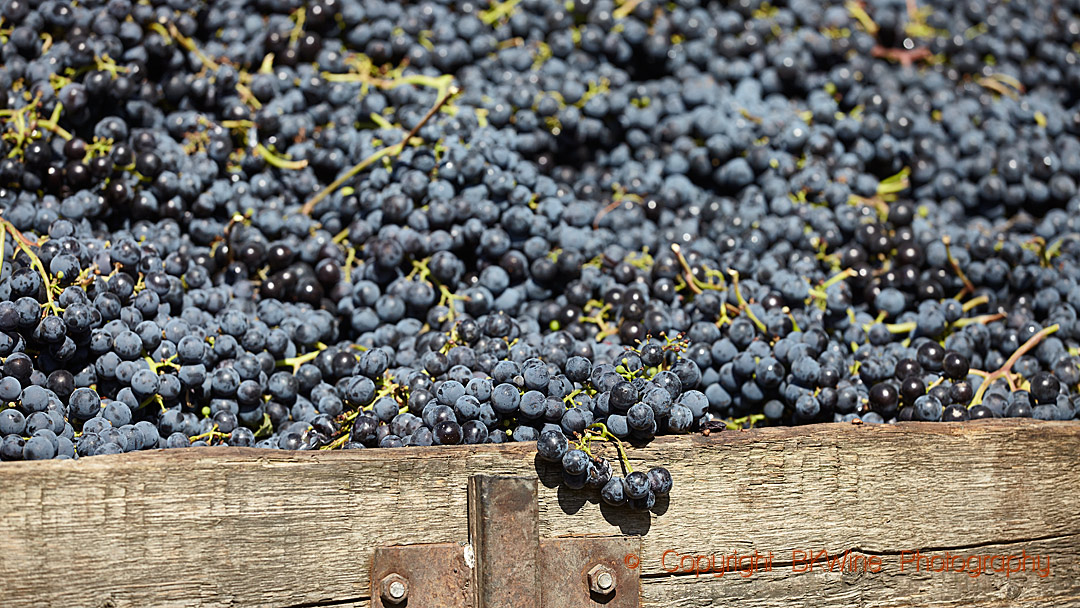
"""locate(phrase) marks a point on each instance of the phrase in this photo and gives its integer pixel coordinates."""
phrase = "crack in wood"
(322, 603)
(989, 543)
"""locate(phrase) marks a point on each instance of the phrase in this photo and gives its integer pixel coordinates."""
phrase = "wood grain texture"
(221, 527)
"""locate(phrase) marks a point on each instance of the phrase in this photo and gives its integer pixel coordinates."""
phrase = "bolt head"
(397, 590)
(394, 589)
(602, 579)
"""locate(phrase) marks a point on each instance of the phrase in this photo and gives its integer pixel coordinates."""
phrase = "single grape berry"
(884, 398)
(447, 432)
(552, 446)
(640, 417)
(961, 393)
(636, 485)
(912, 388)
(659, 481)
(575, 462)
(1018, 409)
(906, 368)
(652, 355)
(955, 365)
(954, 413)
(928, 408)
(942, 393)
(613, 492)
(930, 356)
(1045, 388)
(598, 472)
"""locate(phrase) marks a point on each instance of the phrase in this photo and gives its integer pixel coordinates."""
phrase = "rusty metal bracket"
(506, 565)
(432, 576)
(582, 572)
(504, 532)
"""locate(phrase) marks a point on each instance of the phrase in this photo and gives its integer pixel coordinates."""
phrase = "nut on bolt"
(602, 579)
(394, 588)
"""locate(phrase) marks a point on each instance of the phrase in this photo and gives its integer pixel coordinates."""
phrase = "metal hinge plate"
(432, 576)
(566, 565)
(507, 565)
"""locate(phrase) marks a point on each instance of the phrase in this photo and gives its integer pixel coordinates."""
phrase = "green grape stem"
(393, 150)
(606, 434)
(25, 245)
(297, 361)
(968, 286)
(1003, 371)
(974, 302)
(736, 424)
(276, 160)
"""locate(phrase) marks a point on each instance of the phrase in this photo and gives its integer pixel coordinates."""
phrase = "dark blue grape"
(640, 417)
(636, 485)
(928, 408)
(578, 368)
(659, 481)
(505, 398)
(614, 492)
(84, 403)
(447, 432)
(575, 462)
(12, 422)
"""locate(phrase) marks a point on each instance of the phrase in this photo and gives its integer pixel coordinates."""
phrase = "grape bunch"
(368, 224)
(634, 401)
(580, 469)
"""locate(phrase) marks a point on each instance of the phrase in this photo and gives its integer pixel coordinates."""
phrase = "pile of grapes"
(371, 224)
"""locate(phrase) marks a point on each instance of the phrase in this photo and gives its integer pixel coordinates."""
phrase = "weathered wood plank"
(234, 527)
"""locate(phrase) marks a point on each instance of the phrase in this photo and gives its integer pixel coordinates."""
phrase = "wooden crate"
(232, 527)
